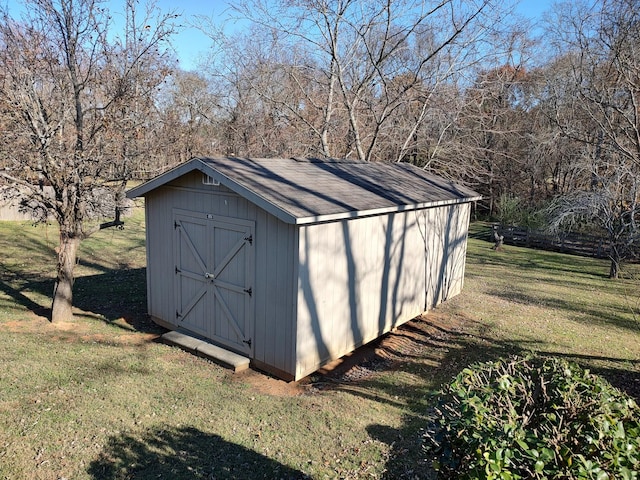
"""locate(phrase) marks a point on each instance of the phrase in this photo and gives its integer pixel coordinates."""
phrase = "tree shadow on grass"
(183, 453)
(16, 291)
(118, 296)
(115, 296)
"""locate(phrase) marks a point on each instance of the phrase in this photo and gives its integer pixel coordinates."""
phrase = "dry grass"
(100, 398)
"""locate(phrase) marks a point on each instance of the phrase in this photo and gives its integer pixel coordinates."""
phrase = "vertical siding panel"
(447, 252)
(261, 330)
(279, 329)
(274, 292)
(291, 284)
(167, 275)
(465, 218)
(271, 298)
(316, 244)
(434, 219)
(161, 257)
(271, 290)
(413, 263)
(301, 310)
(263, 284)
(308, 336)
(150, 208)
(294, 301)
(327, 270)
(382, 247)
(421, 226)
(375, 299)
(361, 237)
(458, 248)
(151, 292)
(338, 323)
(338, 320)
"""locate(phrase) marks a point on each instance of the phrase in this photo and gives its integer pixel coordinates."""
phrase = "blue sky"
(190, 43)
(533, 8)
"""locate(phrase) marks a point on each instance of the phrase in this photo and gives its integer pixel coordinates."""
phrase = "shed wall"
(358, 279)
(275, 247)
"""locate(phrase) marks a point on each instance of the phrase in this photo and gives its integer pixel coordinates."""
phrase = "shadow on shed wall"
(361, 278)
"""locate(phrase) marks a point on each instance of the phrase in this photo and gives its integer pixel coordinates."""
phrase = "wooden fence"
(572, 243)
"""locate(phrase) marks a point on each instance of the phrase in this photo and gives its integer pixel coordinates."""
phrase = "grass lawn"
(101, 399)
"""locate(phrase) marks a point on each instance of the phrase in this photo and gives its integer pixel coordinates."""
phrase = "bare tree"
(76, 98)
(269, 97)
(191, 116)
(613, 206)
(490, 133)
(598, 106)
(341, 72)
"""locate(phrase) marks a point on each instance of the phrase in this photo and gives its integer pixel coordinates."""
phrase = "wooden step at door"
(216, 354)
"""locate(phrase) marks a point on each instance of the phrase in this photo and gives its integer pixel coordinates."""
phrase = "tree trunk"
(614, 270)
(62, 308)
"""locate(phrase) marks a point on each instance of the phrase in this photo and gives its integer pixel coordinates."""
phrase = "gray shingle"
(313, 188)
(303, 191)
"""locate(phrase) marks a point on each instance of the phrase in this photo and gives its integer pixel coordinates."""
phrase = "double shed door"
(214, 258)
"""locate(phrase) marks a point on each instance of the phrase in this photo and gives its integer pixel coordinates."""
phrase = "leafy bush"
(512, 211)
(533, 418)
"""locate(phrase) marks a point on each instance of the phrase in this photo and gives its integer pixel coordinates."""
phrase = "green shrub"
(512, 211)
(533, 418)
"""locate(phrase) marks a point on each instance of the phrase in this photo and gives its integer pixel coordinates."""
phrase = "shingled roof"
(301, 191)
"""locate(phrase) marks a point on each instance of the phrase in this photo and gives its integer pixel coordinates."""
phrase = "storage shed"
(297, 262)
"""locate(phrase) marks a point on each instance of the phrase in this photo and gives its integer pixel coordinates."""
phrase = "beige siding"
(359, 279)
(447, 229)
(274, 293)
(274, 288)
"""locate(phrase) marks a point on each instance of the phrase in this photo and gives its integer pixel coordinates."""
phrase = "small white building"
(297, 262)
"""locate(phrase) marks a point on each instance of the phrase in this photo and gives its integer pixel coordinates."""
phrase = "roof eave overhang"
(166, 177)
(333, 217)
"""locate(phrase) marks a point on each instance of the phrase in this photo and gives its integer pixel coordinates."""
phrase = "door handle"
(209, 276)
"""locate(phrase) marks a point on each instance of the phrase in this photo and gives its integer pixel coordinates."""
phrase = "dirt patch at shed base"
(424, 339)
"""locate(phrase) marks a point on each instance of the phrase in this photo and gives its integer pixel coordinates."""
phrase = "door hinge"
(178, 314)
(249, 291)
(249, 239)
(178, 270)
(248, 342)
(176, 224)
